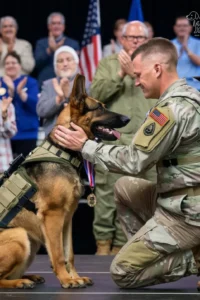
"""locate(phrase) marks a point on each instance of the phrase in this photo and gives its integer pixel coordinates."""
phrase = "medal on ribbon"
(89, 169)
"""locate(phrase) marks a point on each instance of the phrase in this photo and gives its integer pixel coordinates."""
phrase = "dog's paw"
(87, 280)
(73, 283)
(25, 284)
(35, 278)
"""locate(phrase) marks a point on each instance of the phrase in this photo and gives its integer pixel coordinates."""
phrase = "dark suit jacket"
(44, 61)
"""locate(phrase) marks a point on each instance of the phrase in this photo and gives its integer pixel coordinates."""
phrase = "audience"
(113, 84)
(115, 45)
(55, 92)
(45, 47)
(188, 49)
(9, 42)
(24, 91)
(150, 30)
(7, 130)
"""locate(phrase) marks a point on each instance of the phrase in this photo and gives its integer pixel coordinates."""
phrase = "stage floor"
(97, 267)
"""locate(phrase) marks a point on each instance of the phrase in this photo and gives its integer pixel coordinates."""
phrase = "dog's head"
(91, 115)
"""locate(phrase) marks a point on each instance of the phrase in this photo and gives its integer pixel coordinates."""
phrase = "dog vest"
(16, 191)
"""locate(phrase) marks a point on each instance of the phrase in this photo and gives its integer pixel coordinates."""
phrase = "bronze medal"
(91, 198)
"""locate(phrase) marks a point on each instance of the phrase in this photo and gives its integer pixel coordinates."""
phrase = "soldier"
(161, 222)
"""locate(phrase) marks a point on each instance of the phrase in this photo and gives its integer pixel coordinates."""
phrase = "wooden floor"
(97, 267)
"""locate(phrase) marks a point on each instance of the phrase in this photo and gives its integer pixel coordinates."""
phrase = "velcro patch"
(159, 117)
(152, 133)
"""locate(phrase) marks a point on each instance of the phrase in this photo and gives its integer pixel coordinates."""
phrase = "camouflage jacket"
(170, 132)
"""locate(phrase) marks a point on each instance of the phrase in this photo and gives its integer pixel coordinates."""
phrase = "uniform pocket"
(172, 204)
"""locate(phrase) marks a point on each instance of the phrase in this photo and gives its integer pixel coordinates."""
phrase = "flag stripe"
(91, 52)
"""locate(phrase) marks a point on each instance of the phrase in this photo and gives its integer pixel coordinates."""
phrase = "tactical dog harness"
(16, 191)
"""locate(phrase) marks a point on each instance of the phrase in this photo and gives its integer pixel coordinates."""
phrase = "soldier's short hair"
(158, 46)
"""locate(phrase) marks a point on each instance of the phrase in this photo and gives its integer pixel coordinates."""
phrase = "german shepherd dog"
(59, 189)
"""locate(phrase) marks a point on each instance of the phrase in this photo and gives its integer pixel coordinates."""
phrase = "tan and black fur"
(59, 190)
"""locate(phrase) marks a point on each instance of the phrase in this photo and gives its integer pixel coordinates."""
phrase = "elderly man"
(162, 223)
(9, 43)
(188, 48)
(55, 91)
(113, 84)
(46, 47)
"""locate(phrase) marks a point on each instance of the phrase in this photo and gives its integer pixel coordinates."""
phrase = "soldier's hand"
(71, 139)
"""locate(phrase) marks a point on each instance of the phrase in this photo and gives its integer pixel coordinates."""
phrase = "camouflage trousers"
(159, 242)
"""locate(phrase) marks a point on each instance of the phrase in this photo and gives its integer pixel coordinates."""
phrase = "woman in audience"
(9, 42)
(24, 91)
(56, 91)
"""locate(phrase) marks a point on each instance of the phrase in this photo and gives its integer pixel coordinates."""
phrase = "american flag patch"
(158, 117)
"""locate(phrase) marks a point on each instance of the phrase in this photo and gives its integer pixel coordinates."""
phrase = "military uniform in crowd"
(121, 96)
(162, 223)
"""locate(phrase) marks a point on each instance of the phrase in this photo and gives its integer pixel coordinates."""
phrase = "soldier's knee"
(130, 187)
(128, 265)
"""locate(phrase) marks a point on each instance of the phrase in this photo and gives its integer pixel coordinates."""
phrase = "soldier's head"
(134, 34)
(154, 66)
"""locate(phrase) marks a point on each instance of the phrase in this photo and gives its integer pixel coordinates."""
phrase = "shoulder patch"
(158, 123)
(159, 117)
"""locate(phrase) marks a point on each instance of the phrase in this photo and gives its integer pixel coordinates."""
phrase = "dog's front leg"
(52, 227)
(69, 253)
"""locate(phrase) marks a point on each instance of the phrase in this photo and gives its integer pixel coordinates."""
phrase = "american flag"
(159, 117)
(91, 51)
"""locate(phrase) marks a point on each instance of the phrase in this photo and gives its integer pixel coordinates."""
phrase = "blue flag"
(135, 12)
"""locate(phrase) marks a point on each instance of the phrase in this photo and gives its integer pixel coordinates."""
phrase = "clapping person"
(46, 47)
(24, 91)
(55, 91)
(9, 42)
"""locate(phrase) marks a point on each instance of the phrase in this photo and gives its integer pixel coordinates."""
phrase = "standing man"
(188, 49)
(113, 84)
(162, 223)
(46, 47)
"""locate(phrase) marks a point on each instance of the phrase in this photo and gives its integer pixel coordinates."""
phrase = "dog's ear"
(78, 89)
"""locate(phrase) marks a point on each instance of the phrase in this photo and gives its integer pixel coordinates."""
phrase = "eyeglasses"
(131, 38)
(61, 61)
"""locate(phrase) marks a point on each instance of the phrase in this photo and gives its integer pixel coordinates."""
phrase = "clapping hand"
(10, 85)
(4, 106)
(125, 64)
(65, 86)
(62, 89)
(20, 89)
(10, 46)
(53, 46)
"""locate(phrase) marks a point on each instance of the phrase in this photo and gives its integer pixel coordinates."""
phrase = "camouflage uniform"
(162, 222)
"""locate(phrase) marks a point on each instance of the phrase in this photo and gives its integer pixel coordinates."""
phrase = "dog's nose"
(125, 119)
